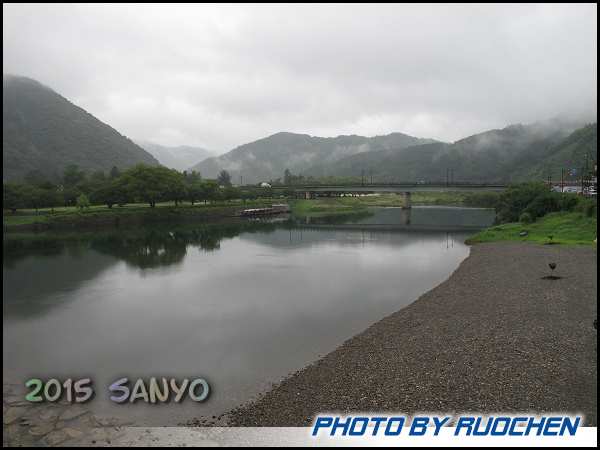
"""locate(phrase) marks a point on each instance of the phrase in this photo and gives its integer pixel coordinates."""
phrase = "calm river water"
(240, 304)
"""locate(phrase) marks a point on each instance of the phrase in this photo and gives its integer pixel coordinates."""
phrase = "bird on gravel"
(552, 266)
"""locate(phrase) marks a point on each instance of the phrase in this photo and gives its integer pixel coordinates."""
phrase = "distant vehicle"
(265, 185)
(592, 190)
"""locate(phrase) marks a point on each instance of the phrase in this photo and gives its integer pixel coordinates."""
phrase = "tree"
(267, 192)
(110, 195)
(153, 184)
(73, 175)
(47, 185)
(83, 201)
(98, 178)
(34, 197)
(52, 198)
(114, 173)
(195, 192)
(224, 178)
(251, 195)
(34, 176)
(176, 188)
(287, 177)
(231, 193)
(191, 178)
(210, 189)
(289, 192)
(13, 197)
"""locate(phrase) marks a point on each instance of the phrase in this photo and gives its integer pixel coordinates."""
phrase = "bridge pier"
(406, 202)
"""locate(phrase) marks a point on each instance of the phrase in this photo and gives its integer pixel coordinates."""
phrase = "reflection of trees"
(152, 246)
(14, 250)
(152, 250)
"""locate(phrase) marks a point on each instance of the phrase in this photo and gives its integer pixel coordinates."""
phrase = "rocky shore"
(503, 334)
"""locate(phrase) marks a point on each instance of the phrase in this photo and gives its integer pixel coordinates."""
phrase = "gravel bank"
(497, 336)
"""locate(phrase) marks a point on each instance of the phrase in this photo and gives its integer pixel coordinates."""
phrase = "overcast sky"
(222, 75)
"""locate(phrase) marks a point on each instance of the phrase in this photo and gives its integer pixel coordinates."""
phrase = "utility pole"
(447, 170)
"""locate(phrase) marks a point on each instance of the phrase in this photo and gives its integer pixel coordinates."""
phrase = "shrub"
(587, 206)
(525, 218)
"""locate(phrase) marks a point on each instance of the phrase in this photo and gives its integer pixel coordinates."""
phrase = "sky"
(218, 76)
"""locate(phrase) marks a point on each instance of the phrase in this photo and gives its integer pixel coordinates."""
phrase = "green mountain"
(43, 130)
(268, 158)
(515, 153)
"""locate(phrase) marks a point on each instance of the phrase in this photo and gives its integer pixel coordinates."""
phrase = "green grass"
(566, 228)
(139, 212)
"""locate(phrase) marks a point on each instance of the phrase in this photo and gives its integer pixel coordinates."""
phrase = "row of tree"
(141, 183)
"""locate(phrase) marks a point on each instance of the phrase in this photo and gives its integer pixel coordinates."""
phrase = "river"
(239, 304)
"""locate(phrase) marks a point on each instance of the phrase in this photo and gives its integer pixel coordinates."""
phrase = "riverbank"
(500, 335)
(25, 221)
(115, 217)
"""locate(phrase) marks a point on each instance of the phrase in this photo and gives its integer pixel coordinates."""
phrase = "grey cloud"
(220, 75)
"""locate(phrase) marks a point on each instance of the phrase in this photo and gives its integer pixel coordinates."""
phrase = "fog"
(217, 76)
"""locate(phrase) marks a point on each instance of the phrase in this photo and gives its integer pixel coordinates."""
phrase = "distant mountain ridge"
(43, 130)
(515, 153)
(268, 158)
(179, 158)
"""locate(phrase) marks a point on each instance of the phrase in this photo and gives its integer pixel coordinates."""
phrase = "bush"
(587, 206)
(525, 218)
(537, 199)
(517, 197)
(542, 205)
(568, 202)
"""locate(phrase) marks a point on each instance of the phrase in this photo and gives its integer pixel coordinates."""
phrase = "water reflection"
(239, 303)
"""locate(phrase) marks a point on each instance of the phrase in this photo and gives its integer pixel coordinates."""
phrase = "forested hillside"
(43, 130)
(515, 153)
(268, 158)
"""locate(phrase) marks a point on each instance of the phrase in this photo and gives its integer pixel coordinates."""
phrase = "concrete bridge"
(401, 184)
(310, 190)
(391, 185)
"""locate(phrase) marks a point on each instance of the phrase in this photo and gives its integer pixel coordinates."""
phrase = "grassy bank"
(564, 227)
(73, 218)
